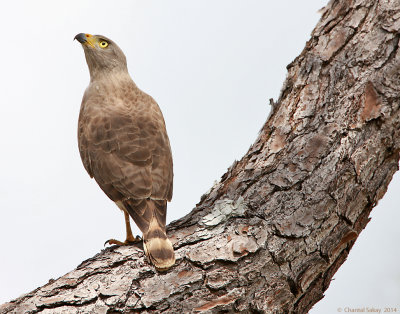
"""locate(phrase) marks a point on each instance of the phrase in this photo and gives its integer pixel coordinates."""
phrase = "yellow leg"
(130, 239)
(129, 235)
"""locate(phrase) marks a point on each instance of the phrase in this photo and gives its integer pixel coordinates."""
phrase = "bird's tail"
(158, 247)
(150, 216)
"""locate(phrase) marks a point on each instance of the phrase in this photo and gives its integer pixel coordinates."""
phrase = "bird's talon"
(136, 239)
(133, 240)
(113, 241)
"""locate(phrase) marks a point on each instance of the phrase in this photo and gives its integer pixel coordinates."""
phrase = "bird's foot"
(128, 241)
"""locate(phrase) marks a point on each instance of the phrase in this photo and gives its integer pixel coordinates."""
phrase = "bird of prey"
(124, 146)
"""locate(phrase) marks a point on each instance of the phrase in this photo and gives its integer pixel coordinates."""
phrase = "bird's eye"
(103, 44)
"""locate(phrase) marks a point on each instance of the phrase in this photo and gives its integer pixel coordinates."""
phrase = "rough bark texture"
(271, 234)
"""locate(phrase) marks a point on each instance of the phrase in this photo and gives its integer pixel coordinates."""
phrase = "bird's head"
(103, 56)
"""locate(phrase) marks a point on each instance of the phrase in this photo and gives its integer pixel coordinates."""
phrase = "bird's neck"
(113, 76)
(109, 82)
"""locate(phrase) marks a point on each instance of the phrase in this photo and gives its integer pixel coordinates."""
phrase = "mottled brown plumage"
(124, 145)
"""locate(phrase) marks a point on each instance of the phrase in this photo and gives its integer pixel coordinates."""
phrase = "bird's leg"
(129, 236)
(130, 239)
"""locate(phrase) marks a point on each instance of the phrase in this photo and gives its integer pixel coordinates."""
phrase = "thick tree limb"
(271, 234)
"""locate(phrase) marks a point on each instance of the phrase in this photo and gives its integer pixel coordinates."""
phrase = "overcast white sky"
(211, 65)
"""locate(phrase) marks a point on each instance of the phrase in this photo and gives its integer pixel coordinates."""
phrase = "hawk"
(124, 146)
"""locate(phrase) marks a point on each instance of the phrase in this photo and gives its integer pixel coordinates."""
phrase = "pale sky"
(211, 66)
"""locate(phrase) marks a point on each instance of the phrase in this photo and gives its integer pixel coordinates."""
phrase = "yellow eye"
(103, 44)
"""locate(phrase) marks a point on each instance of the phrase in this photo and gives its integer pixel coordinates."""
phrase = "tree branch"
(271, 234)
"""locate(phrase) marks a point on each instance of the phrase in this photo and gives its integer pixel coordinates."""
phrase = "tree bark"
(271, 234)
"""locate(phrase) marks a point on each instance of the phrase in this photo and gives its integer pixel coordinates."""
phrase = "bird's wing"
(126, 149)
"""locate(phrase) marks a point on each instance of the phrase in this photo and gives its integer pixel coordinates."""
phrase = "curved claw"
(136, 239)
(113, 241)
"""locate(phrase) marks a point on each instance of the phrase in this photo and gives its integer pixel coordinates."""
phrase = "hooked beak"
(85, 39)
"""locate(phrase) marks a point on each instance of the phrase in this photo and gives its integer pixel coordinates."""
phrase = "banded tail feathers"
(158, 247)
(150, 216)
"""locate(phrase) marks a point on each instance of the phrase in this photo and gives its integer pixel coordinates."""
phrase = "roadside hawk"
(124, 146)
